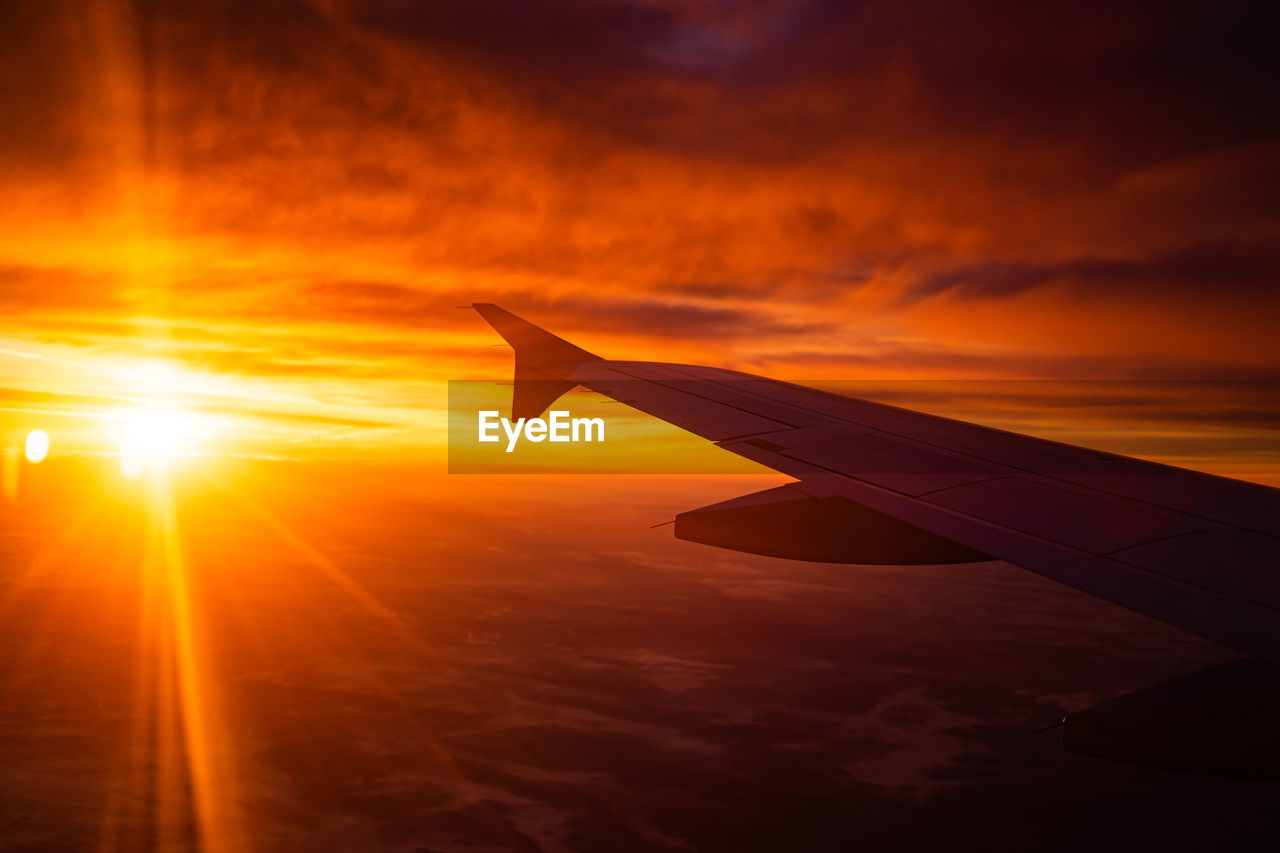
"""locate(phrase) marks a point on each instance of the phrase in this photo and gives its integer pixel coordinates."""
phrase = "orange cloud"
(296, 195)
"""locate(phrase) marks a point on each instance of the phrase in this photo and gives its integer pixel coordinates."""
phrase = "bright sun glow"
(37, 445)
(153, 377)
(156, 437)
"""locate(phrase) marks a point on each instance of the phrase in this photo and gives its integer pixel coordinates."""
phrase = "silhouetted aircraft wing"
(881, 484)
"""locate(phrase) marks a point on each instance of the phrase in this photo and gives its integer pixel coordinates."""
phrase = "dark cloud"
(383, 303)
(1142, 81)
(1125, 83)
(863, 355)
(575, 46)
(1238, 269)
(41, 87)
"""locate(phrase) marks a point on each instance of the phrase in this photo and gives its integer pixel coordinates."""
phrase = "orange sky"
(281, 204)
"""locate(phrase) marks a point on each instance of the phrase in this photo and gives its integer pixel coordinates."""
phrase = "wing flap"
(1086, 522)
(1222, 561)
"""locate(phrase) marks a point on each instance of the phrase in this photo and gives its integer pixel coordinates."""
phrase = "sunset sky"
(268, 211)
(237, 234)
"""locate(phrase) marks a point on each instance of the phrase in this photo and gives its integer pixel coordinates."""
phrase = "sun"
(155, 437)
(37, 446)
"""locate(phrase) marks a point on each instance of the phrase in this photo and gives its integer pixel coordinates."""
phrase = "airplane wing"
(881, 484)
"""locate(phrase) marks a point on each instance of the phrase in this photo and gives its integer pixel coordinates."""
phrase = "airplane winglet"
(542, 360)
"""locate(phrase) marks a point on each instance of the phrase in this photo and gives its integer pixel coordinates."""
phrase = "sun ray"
(67, 536)
(330, 570)
(181, 766)
(365, 599)
(205, 738)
